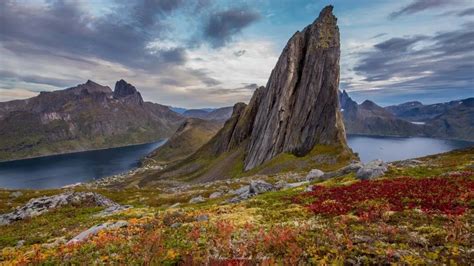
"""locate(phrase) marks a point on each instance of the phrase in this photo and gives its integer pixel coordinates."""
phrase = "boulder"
(372, 170)
(96, 229)
(259, 186)
(216, 194)
(202, 218)
(314, 174)
(16, 194)
(38, 206)
(198, 199)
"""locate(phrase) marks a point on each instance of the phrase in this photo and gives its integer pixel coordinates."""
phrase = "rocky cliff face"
(88, 116)
(294, 115)
(300, 106)
(127, 92)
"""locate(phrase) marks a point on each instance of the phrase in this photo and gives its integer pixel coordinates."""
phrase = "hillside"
(287, 220)
(88, 116)
(219, 114)
(187, 139)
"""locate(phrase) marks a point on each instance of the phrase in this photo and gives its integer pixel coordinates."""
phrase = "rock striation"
(300, 106)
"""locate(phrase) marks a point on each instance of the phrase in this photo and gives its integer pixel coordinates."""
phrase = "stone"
(202, 218)
(240, 191)
(16, 194)
(177, 204)
(371, 170)
(198, 199)
(112, 210)
(96, 229)
(38, 206)
(297, 184)
(20, 243)
(216, 194)
(259, 186)
(314, 174)
(176, 225)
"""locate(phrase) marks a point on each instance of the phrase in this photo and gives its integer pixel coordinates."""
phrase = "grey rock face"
(259, 186)
(300, 106)
(372, 170)
(313, 174)
(216, 194)
(38, 206)
(198, 199)
(96, 229)
(127, 92)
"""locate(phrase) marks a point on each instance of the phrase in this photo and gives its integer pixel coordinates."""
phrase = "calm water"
(60, 170)
(392, 149)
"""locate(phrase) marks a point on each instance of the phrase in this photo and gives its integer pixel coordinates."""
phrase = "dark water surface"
(65, 169)
(60, 170)
(393, 149)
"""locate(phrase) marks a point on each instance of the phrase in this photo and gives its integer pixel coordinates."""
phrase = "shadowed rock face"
(127, 92)
(300, 107)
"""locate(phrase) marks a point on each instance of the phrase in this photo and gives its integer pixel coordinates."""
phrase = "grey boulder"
(371, 170)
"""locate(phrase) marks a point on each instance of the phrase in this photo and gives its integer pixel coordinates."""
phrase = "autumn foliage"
(437, 195)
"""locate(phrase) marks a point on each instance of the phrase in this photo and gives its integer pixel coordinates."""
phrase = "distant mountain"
(454, 119)
(370, 119)
(187, 139)
(219, 114)
(451, 120)
(88, 116)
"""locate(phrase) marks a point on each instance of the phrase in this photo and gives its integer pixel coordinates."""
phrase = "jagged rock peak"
(126, 91)
(300, 107)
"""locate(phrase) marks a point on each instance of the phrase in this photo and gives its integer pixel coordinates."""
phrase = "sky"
(210, 53)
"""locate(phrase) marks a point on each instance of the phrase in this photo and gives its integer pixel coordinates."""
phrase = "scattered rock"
(314, 174)
(216, 194)
(176, 225)
(20, 243)
(280, 184)
(174, 205)
(297, 184)
(372, 170)
(202, 218)
(38, 206)
(239, 191)
(198, 199)
(256, 187)
(308, 189)
(96, 229)
(16, 194)
(55, 242)
(260, 186)
(112, 210)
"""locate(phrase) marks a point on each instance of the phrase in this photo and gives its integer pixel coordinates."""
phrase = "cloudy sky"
(210, 53)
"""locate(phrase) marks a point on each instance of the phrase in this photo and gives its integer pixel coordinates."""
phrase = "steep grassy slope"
(187, 139)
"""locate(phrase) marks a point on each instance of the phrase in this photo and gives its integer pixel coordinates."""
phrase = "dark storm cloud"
(421, 5)
(223, 25)
(64, 27)
(442, 61)
(467, 12)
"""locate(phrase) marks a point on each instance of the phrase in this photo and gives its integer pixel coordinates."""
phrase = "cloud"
(467, 12)
(67, 27)
(223, 25)
(421, 5)
(441, 61)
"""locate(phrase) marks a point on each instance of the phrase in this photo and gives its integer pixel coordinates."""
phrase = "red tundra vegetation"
(448, 195)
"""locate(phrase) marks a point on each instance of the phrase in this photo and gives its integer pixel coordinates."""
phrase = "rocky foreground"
(410, 212)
